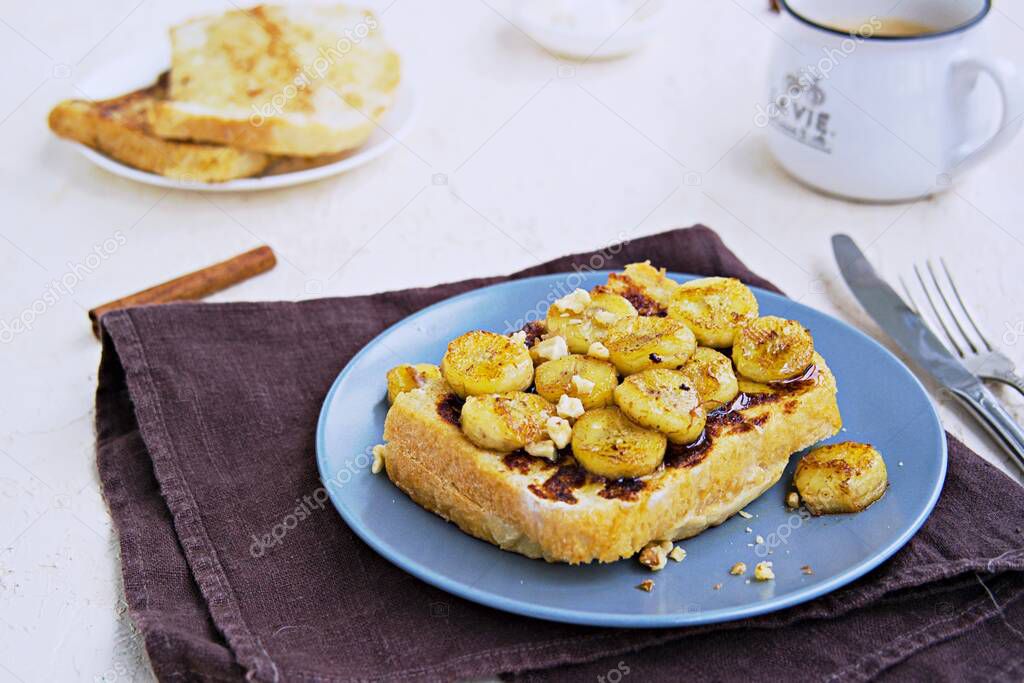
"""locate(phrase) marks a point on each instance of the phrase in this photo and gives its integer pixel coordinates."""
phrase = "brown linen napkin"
(205, 418)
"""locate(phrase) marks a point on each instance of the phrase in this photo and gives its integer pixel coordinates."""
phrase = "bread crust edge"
(432, 462)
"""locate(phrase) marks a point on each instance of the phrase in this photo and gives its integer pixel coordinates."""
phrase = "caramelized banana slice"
(650, 286)
(506, 422)
(662, 399)
(636, 344)
(771, 349)
(608, 444)
(588, 379)
(711, 374)
(485, 363)
(403, 378)
(842, 477)
(583, 318)
(714, 308)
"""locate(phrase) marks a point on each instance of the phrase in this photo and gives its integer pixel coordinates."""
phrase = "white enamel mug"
(876, 118)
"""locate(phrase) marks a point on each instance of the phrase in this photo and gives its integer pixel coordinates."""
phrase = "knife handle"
(996, 420)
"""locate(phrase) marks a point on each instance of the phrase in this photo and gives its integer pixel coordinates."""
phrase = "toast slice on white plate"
(304, 80)
(119, 127)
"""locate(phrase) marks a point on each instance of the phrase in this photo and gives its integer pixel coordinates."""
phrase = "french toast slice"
(119, 127)
(561, 513)
(307, 80)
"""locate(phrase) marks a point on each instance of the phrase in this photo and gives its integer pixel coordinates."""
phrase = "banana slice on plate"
(663, 399)
(772, 349)
(481, 362)
(607, 443)
(711, 374)
(841, 477)
(588, 379)
(402, 378)
(636, 344)
(506, 422)
(583, 318)
(714, 308)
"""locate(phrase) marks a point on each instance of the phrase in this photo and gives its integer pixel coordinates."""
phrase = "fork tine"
(935, 310)
(910, 299)
(970, 318)
(952, 314)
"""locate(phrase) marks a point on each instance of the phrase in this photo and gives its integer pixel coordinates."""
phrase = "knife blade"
(912, 334)
(897, 319)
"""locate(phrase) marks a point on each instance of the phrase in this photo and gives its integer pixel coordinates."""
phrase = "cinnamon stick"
(195, 285)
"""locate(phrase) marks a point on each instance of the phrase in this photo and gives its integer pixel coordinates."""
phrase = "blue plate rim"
(612, 619)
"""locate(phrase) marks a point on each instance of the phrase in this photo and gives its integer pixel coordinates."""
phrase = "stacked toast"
(250, 92)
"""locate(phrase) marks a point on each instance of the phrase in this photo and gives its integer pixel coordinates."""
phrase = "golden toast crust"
(559, 513)
(299, 81)
(119, 128)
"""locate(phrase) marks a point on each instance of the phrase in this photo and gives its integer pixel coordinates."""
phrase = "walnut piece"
(559, 430)
(793, 500)
(378, 459)
(738, 569)
(583, 385)
(763, 571)
(552, 348)
(574, 301)
(599, 351)
(569, 407)
(542, 449)
(654, 556)
(646, 585)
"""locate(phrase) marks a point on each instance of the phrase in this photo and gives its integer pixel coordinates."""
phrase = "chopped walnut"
(793, 500)
(763, 571)
(646, 586)
(559, 430)
(552, 348)
(745, 515)
(654, 556)
(759, 539)
(569, 407)
(738, 569)
(378, 459)
(677, 554)
(806, 569)
(574, 301)
(542, 449)
(583, 385)
(598, 350)
(717, 587)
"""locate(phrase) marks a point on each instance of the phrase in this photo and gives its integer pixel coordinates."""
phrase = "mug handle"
(972, 152)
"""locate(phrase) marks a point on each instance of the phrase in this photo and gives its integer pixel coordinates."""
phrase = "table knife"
(912, 334)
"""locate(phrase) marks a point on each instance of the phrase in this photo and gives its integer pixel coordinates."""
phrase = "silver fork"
(984, 360)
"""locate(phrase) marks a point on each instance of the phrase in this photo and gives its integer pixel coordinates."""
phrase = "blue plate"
(881, 403)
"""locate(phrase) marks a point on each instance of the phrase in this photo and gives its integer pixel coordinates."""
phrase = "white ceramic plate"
(138, 70)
